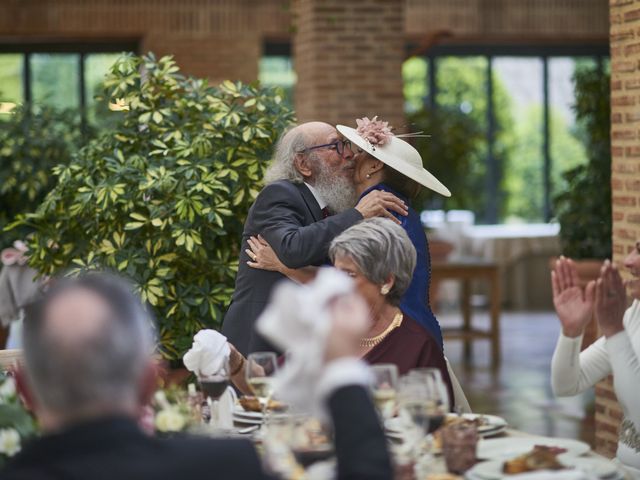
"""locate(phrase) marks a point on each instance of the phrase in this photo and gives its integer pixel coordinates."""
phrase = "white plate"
(494, 426)
(238, 411)
(604, 469)
(492, 422)
(601, 467)
(506, 448)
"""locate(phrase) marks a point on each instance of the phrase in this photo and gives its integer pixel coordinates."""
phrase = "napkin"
(298, 321)
(224, 409)
(209, 354)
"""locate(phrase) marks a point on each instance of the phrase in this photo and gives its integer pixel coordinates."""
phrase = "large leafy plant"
(162, 198)
(583, 208)
(33, 139)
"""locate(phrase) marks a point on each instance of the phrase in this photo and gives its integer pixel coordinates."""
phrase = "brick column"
(625, 177)
(348, 57)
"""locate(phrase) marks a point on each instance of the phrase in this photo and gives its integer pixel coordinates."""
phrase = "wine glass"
(259, 372)
(212, 388)
(413, 403)
(385, 378)
(437, 393)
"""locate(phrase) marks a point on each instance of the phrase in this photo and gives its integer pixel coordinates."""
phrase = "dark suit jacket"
(115, 449)
(288, 216)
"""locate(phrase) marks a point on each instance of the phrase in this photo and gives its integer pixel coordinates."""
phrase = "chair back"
(10, 358)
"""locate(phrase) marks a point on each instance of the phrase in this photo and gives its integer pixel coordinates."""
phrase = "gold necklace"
(373, 341)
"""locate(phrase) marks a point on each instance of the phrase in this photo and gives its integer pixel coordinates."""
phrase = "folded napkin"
(298, 321)
(209, 354)
(223, 409)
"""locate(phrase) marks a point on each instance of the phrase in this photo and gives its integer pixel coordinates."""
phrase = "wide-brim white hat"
(399, 155)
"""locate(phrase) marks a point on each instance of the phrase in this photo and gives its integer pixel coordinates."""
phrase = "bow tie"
(325, 213)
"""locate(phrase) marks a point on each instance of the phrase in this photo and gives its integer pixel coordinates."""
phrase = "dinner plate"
(490, 422)
(597, 467)
(495, 425)
(506, 448)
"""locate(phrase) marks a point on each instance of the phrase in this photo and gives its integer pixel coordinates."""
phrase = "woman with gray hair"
(381, 258)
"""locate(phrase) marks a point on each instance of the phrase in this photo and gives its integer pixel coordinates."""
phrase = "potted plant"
(583, 208)
(162, 197)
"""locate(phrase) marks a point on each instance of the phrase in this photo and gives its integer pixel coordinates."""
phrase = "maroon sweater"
(410, 346)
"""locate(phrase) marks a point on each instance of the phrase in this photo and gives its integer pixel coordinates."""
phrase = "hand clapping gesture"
(573, 305)
(610, 300)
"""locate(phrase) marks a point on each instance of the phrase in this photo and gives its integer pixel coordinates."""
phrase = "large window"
(59, 75)
(276, 68)
(521, 99)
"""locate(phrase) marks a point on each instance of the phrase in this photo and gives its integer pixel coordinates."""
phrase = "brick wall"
(625, 181)
(348, 56)
(195, 30)
(218, 39)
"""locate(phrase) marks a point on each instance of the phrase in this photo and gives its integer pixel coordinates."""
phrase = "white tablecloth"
(521, 251)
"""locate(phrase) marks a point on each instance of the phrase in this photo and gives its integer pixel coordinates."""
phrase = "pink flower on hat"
(374, 131)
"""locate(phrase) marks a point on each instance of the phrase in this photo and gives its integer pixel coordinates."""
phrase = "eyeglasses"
(339, 146)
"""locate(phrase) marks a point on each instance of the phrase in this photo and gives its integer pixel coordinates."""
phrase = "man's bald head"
(87, 344)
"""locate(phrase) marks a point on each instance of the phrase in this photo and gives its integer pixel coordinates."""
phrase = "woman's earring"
(368, 175)
(385, 289)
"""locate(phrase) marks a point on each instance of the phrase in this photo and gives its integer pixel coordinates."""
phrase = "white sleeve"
(626, 374)
(572, 371)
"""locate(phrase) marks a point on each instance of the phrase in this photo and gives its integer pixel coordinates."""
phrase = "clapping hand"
(573, 305)
(610, 300)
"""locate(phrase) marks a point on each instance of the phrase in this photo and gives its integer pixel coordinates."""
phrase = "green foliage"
(457, 151)
(451, 152)
(524, 179)
(17, 424)
(584, 207)
(31, 144)
(162, 198)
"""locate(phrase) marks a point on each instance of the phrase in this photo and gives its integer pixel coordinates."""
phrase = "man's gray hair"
(380, 248)
(282, 165)
(100, 373)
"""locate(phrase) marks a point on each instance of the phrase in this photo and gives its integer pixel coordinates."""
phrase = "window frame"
(598, 51)
(80, 47)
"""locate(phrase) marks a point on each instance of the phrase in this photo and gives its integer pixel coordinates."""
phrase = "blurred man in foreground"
(89, 371)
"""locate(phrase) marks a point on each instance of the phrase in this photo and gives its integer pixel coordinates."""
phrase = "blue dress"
(415, 301)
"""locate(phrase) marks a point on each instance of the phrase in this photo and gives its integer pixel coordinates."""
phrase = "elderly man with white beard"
(308, 199)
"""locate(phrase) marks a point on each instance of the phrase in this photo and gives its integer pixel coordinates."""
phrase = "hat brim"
(420, 175)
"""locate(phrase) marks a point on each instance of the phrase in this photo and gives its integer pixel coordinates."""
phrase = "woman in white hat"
(383, 162)
(386, 162)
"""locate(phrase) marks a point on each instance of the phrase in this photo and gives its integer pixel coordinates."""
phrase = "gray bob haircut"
(282, 165)
(103, 370)
(380, 248)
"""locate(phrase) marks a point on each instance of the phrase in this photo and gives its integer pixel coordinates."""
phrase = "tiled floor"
(519, 389)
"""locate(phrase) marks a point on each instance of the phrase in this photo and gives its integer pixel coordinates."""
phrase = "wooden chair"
(10, 358)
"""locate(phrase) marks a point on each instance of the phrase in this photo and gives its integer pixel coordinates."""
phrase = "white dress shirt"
(317, 196)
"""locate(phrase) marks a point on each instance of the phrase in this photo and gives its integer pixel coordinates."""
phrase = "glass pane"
(96, 66)
(277, 71)
(519, 113)
(11, 78)
(462, 125)
(567, 150)
(55, 79)
(416, 83)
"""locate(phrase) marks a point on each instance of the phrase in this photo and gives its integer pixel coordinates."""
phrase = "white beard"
(338, 191)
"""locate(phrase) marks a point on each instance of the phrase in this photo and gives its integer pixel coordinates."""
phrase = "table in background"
(468, 270)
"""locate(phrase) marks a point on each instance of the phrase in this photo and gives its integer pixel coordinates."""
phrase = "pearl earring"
(368, 175)
(385, 289)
